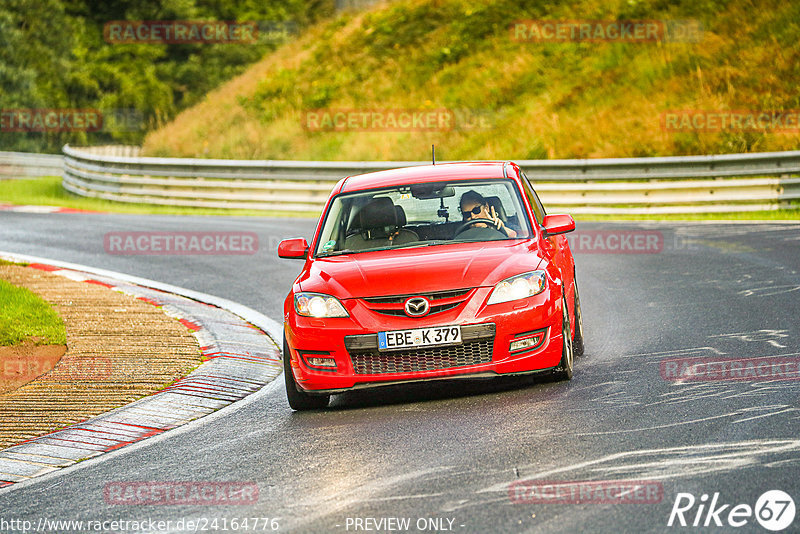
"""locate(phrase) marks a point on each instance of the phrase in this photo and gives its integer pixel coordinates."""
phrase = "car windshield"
(423, 215)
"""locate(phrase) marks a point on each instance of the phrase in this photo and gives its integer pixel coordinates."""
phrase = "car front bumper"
(487, 334)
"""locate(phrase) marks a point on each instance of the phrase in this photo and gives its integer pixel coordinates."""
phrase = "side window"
(533, 198)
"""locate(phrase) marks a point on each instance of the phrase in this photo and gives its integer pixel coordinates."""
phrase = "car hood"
(419, 270)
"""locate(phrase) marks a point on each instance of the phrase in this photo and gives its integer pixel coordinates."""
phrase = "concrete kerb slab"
(238, 361)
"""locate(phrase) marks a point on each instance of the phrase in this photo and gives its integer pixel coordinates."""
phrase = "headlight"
(318, 305)
(518, 287)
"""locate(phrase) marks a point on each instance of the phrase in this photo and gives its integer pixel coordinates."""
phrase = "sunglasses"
(475, 211)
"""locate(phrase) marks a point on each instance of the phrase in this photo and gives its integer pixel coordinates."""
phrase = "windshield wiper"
(334, 253)
(479, 240)
(377, 249)
(425, 244)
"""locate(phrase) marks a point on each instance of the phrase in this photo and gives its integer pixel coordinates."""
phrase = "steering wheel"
(470, 222)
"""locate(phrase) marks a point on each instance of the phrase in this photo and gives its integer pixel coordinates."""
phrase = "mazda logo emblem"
(417, 307)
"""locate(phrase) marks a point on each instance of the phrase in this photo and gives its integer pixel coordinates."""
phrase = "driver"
(474, 206)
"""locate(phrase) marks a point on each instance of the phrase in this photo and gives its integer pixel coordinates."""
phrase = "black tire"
(299, 400)
(564, 369)
(577, 341)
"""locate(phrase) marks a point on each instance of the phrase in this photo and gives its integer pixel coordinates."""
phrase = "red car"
(430, 272)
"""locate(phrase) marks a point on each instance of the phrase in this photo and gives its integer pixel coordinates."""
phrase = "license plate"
(419, 337)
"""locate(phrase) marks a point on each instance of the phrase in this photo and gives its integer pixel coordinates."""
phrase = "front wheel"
(564, 369)
(299, 400)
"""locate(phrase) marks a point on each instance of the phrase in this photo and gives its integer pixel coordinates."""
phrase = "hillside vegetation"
(511, 99)
(54, 55)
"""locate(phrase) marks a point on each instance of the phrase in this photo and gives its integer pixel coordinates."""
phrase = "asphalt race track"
(443, 455)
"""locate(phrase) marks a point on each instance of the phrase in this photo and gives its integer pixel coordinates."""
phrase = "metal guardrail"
(684, 184)
(26, 165)
(125, 151)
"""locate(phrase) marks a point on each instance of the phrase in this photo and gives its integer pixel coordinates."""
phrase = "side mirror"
(558, 224)
(296, 248)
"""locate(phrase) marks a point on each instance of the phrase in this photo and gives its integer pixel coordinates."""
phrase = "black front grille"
(399, 299)
(440, 301)
(426, 359)
(434, 309)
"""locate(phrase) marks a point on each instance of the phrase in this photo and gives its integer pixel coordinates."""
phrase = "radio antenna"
(433, 154)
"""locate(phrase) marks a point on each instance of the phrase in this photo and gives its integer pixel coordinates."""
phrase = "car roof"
(426, 173)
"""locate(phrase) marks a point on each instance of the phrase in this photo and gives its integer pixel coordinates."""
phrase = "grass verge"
(47, 191)
(24, 316)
